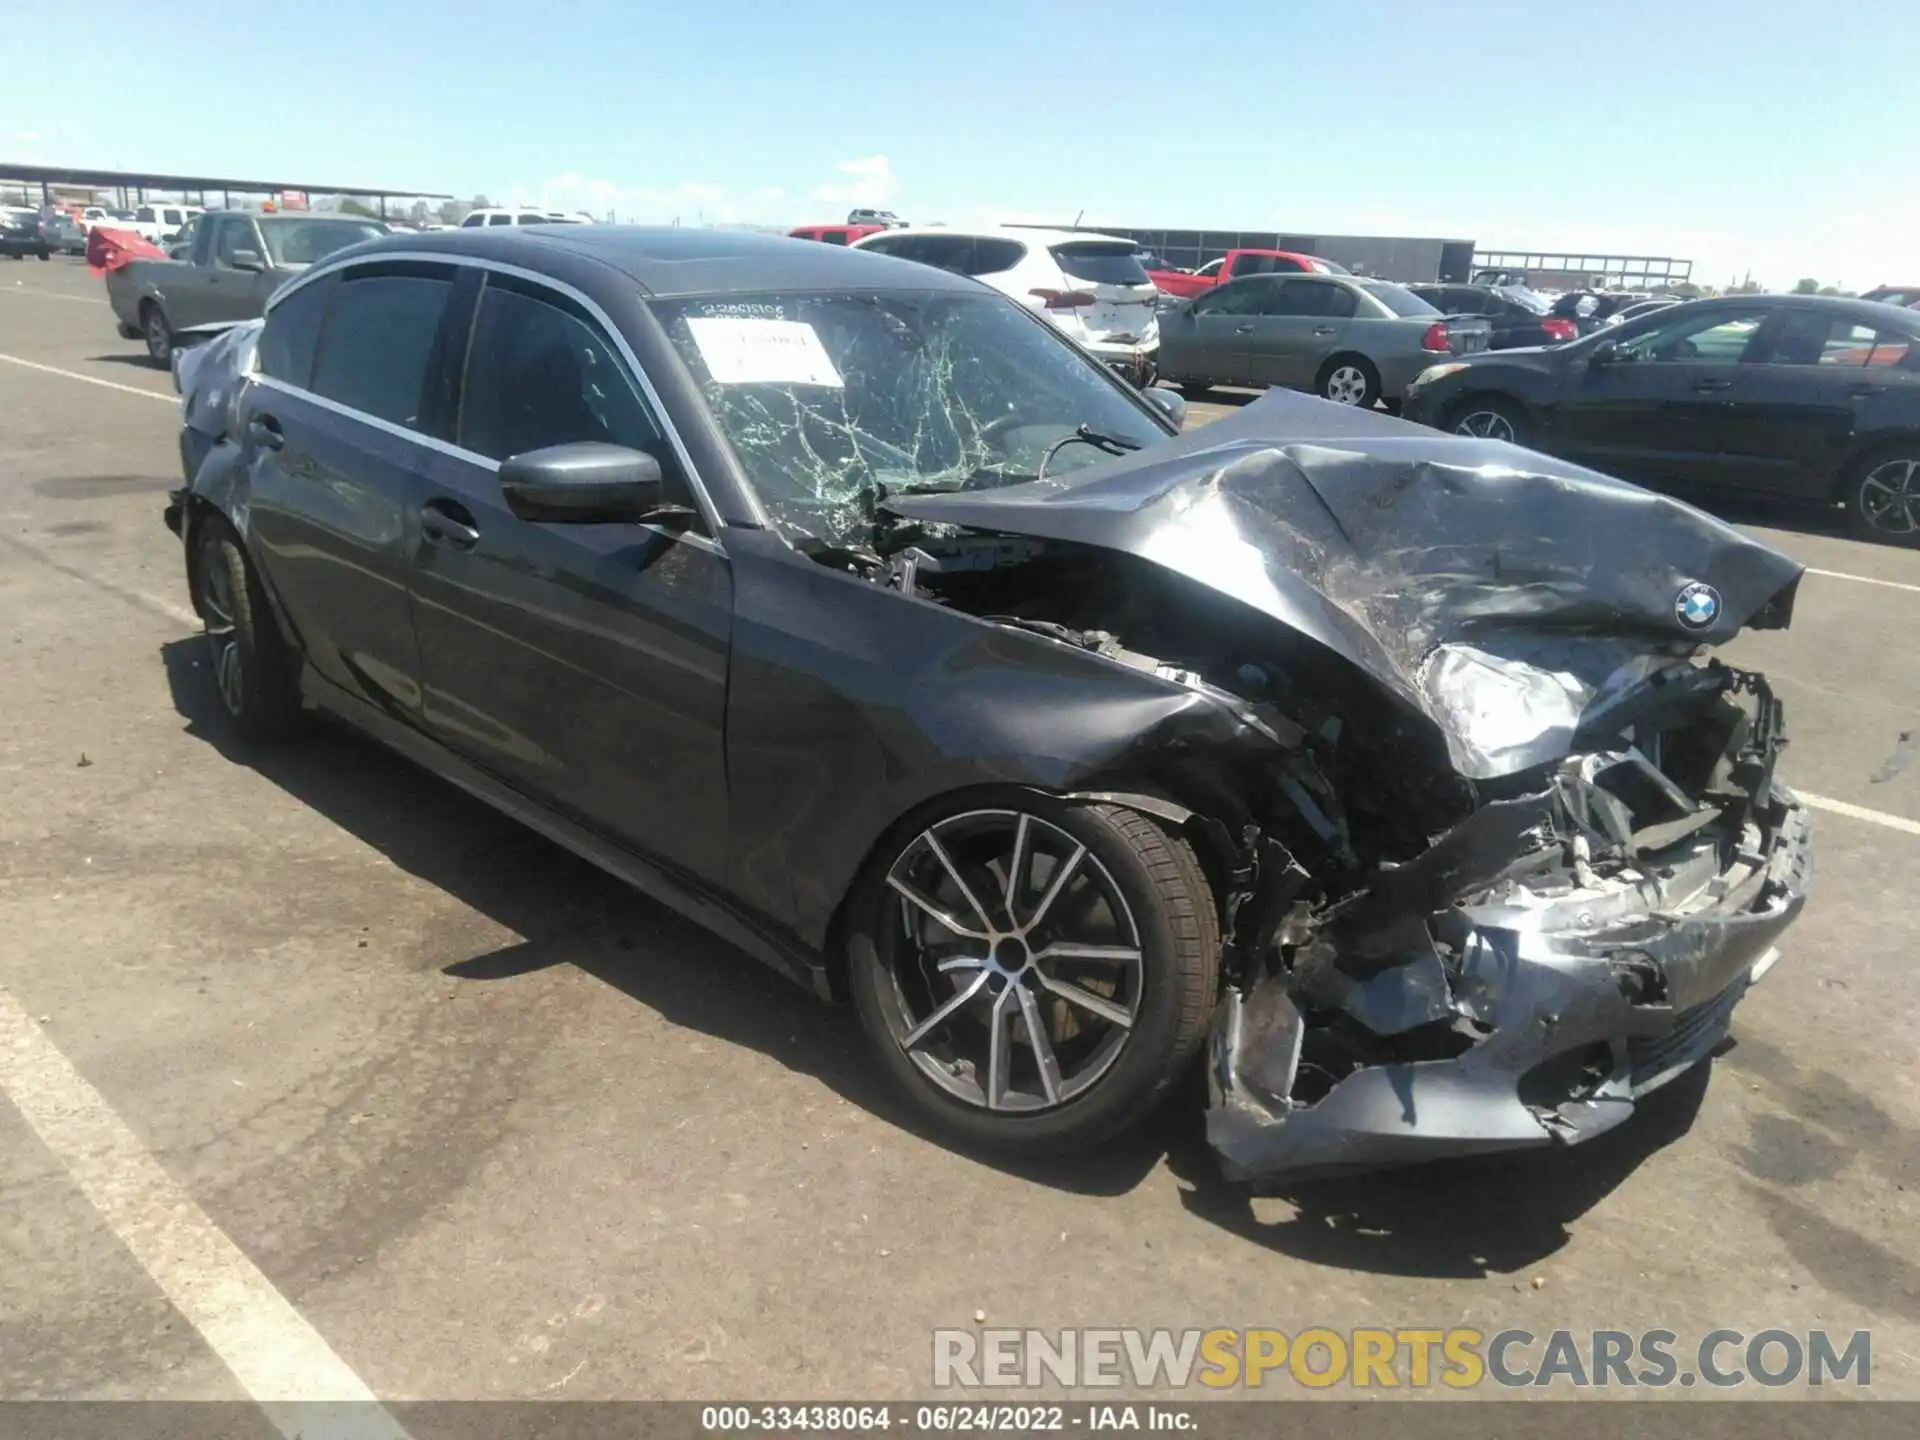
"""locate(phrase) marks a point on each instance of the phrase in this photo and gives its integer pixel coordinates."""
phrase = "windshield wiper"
(1085, 435)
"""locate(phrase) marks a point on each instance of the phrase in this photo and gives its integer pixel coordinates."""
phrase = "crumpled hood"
(1385, 541)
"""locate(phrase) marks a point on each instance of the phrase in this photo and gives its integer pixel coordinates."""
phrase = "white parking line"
(278, 1358)
(1864, 579)
(24, 292)
(91, 379)
(1860, 812)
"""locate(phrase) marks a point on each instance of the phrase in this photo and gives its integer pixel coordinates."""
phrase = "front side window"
(1719, 338)
(473, 222)
(539, 373)
(1253, 296)
(833, 401)
(145, 214)
(291, 331)
(232, 240)
(499, 220)
(378, 341)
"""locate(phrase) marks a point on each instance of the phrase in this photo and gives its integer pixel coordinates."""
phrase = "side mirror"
(1172, 402)
(1607, 352)
(588, 483)
(247, 260)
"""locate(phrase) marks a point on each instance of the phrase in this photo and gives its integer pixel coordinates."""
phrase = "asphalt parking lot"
(495, 1126)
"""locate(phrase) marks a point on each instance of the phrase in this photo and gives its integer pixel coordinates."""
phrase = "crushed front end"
(1578, 940)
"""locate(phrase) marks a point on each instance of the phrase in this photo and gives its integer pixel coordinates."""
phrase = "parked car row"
(1806, 397)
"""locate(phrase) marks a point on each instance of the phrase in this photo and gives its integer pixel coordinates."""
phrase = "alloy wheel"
(217, 606)
(1890, 497)
(1487, 424)
(1015, 963)
(159, 337)
(1347, 385)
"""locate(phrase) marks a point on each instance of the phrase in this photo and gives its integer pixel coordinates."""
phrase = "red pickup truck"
(1238, 263)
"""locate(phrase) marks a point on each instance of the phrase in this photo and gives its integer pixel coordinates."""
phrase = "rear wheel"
(1349, 380)
(1491, 418)
(1882, 496)
(254, 670)
(158, 333)
(1034, 976)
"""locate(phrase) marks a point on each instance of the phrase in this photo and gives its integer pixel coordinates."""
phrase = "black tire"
(1881, 493)
(158, 334)
(253, 671)
(1490, 417)
(1194, 389)
(1349, 380)
(46, 254)
(1174, 921)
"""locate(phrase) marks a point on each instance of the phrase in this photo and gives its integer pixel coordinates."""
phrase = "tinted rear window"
(377, 342)
(1397, 298)
(1101, 262)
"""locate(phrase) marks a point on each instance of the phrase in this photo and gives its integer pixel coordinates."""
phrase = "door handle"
(1707, 386)
(1861, 392)
(1243, 329)
(442, 520)
(264, 431)
(1325, 330)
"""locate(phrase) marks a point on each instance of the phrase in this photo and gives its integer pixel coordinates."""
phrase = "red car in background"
(1241, 262)
(834, 234)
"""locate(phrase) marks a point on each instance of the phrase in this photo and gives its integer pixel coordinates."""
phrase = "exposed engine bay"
(1478, 894)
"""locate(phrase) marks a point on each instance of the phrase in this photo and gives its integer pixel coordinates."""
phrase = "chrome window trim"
(709, 512)
(445, 447)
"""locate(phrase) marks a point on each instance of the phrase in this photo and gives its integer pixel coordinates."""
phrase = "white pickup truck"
(160, 223)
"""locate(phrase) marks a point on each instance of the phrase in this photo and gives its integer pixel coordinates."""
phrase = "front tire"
(1034, 976)
(1349, 380)
(1882, 497)
(158, 334)
(254, 671)
(1488, 417)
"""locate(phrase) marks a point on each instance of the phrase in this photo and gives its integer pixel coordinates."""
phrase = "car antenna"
(1077, 219)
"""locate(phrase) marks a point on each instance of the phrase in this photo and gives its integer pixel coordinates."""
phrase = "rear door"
(1658, 410)
(347, 414)
(1792, 414)
(585, 664)
(1303, 320)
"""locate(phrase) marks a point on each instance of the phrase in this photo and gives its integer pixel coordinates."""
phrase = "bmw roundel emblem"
(1697, 606)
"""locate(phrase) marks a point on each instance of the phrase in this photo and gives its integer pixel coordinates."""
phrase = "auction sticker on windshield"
(743, 351)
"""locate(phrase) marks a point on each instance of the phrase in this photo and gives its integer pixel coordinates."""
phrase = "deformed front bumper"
(1571, 1008)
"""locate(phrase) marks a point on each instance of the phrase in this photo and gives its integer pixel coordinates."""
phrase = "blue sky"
(1768, 135)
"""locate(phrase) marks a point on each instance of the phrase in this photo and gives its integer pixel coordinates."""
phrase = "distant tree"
(350, 206)
(1745, 287)
(1687, 290)
(1806, 287)
(480, 202)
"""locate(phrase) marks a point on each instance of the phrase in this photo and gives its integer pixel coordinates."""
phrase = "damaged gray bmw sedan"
(848, 608)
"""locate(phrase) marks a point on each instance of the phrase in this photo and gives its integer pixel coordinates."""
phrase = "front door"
(1300, 324)
(1659, 407)
(233, 284)
(583, 664)
(1210, 338)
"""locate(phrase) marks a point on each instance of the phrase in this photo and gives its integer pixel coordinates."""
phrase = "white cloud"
(870, 182)
(28, 137)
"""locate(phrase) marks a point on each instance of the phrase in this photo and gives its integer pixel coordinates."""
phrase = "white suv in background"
(1093, 287)
(519, 215)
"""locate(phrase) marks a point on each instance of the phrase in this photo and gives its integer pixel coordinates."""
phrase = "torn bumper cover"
(1548, 1015)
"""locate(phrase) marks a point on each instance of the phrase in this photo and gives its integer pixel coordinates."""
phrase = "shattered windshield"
(833, 401)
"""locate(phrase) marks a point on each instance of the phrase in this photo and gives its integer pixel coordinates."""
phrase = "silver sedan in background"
(1341, 337)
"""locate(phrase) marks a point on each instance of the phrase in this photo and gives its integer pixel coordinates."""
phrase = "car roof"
(1030, 233)
(675, 260)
